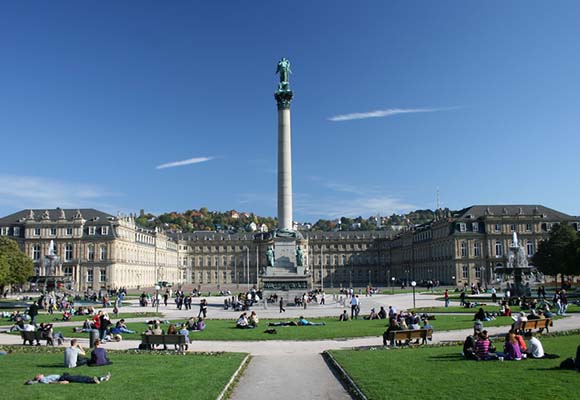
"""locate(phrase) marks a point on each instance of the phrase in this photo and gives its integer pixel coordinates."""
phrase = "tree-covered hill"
(238, 221)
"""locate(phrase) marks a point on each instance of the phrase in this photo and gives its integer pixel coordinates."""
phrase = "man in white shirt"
(71, 355)
(353, 306)
(535, 348)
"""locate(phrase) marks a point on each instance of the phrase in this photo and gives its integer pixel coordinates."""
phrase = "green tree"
(15, 266)
(559, 253)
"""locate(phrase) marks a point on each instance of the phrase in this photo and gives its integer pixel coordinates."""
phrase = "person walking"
(282, 309)
(202, 308)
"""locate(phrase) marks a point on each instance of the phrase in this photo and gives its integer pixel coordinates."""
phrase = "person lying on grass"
(66, 378)
(301, 322)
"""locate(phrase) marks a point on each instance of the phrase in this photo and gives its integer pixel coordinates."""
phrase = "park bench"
(148, 341)
(539, 324)
(406, 336)
(31, 336)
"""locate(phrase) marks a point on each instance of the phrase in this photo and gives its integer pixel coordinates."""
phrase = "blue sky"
(478, 99)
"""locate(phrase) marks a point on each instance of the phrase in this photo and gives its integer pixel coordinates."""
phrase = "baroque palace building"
(92, 249)
(97, 250)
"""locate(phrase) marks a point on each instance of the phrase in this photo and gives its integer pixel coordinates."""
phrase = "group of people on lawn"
(480, 347)
(74, 357)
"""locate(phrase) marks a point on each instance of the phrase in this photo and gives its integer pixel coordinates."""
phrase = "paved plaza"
(291, 369)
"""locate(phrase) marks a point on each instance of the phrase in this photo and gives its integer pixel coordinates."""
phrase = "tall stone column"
(283, 98)
(284, 169)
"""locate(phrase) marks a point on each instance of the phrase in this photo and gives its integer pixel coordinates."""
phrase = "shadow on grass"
(448, 357)
(60, 366)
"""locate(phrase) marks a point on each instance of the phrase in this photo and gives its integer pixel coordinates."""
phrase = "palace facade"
(97, 250)
(91, 249)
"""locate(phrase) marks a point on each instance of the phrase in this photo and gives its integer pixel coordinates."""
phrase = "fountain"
(517, 265)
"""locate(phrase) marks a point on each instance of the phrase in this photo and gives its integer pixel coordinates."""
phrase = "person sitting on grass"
(482, 347)
(382, 313)
(304, 322)
(66, 378)
(253, 320)
(481, 315)
(242, 322)
(520, 340)
(66, 315)
(98, 356)
(121, 327)
(191, 324)
(343, 316)
(73, 355)
(200, 326)
(372, 315)
(469, 346)
(535, 348)
(511, 348)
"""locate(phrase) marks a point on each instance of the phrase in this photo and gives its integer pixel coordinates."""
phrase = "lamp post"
(413, 284)
(370, 284)
(157, 287)
(393, 279)
(453, 280)
(350, 274)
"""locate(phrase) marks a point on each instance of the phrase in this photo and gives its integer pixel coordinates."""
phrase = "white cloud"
(385, 113)
(195, 160)
(359, 206)
(38, 192)
(352, 202)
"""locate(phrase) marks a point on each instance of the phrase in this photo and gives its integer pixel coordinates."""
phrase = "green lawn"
(137, 375)
(226, 330)
(45, 317)
(440, 372)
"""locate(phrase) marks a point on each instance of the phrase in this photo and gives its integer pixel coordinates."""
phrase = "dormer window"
(462, 227)
(92, 230)
(104, 230)
(475, 227)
